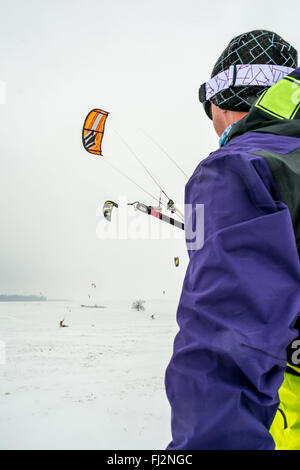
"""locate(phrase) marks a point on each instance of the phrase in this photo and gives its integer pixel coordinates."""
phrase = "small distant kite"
(107, 208)
(93, 130)
(176, 262)
(93, 284)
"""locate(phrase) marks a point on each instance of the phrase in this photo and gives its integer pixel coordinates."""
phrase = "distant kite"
(176, 262)
(93, 130)
(107, 208)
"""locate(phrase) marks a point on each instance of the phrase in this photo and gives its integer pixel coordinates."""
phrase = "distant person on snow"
(233, 381)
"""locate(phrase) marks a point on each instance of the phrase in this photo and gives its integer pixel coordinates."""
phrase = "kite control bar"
(156, 212)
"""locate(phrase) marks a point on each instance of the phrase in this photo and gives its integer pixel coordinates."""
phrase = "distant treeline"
(22, 298)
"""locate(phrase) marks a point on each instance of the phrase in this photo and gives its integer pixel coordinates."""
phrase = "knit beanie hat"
(255, 47)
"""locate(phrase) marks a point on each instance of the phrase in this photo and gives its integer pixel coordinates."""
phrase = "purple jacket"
(241, 293)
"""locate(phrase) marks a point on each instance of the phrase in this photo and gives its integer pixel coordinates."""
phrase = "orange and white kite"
(93, 130)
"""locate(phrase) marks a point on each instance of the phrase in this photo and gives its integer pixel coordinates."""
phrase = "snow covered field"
(98, 384)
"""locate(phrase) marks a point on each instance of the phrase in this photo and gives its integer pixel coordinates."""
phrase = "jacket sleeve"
(239, 302)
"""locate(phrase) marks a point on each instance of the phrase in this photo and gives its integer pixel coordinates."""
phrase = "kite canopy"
(93, 130)
(107, 208)
(176, 262)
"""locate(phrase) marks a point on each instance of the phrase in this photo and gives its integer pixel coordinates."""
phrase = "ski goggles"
(262, 75)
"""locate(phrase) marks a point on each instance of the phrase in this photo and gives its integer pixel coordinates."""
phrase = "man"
(241, 294)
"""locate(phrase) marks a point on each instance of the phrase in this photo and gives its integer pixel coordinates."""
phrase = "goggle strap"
(264, 75)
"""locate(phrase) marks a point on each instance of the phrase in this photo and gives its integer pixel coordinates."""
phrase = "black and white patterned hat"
(255, 47)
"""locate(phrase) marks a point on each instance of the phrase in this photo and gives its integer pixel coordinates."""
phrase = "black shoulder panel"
(285, 169)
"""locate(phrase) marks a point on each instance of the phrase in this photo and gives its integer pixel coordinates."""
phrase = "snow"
(98, 384)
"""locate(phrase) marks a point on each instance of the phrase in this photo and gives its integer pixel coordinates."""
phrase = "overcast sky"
(142, 61)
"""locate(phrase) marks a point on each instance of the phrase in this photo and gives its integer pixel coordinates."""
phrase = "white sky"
(142, 61)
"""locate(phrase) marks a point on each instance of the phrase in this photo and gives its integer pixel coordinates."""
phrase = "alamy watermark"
(127, 223)
(296, 93)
